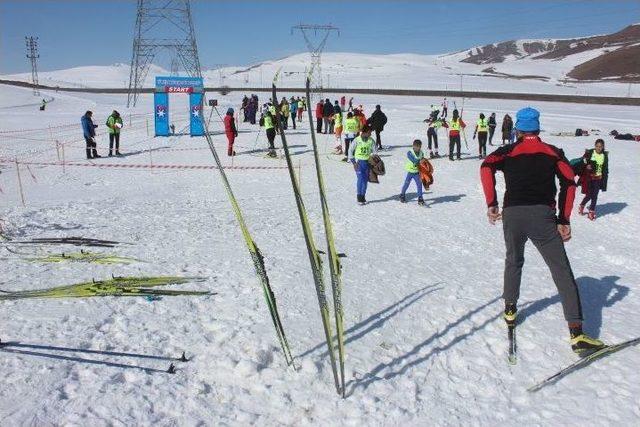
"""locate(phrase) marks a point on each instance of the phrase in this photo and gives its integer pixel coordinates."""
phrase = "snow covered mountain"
(529, 66)
(615, 56)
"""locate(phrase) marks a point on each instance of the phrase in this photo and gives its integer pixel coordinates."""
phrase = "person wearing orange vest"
(454, 127)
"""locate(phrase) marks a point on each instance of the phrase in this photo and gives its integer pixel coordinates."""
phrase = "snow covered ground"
(425, 342)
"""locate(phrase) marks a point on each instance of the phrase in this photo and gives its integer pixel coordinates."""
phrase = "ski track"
(424, 339)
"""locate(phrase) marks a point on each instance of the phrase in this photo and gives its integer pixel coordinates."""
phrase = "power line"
(315, 48)
(162, 25)
(32, 54)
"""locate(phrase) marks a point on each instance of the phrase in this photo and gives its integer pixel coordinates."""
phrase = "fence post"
(147, 127)
(20, 183)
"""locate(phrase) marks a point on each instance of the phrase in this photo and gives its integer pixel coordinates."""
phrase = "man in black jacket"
(530, 168)
(327, 115)
(377, 121)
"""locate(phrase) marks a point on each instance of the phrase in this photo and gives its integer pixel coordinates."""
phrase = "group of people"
(484, 130)
(114, 125)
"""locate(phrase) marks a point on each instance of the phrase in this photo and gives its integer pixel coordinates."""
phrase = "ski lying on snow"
(585, 361)
(512, 358)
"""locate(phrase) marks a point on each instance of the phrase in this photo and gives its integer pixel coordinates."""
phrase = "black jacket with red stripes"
(530, 167)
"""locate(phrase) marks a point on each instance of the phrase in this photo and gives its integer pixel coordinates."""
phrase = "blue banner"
(161, 113)
(179, 84)
(195, 109)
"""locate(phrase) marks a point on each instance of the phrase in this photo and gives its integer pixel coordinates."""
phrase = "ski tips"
(183, 358)
(172, 369)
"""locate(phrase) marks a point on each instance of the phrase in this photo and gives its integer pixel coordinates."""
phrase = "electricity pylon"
(316, 46)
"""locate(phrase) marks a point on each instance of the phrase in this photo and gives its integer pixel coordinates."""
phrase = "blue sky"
(73, 33)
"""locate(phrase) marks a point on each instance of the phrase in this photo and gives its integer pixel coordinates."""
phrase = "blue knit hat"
(528, 120)
(230, 111)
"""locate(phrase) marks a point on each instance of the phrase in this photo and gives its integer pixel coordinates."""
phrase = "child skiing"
(414, 156)
(359, 154)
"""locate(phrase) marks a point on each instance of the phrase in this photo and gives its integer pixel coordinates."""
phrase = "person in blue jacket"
(89, 133)
(414, 156)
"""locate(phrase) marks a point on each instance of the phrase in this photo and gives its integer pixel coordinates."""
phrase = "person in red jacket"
(319, 111)
(231, 131)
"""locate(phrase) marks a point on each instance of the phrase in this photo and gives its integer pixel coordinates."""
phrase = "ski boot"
(361, 200)
(451, 158)
(337, 150)
(431, 155)
(110, 154)
(591, 215)
(581, 342)
(510, 314)
(272, 153)
(345, 159)
(437, 156)
(581, 209)
(402, 199)
(420, 201)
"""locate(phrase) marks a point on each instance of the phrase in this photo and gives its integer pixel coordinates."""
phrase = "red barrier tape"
(147, 166)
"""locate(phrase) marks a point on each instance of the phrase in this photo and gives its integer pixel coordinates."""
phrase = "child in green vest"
(411, 166)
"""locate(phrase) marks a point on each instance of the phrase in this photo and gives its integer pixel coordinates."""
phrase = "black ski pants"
(482, 144)
(271, 136)
(114, 137)
(318, 124)
(492, 130)
(538, 224)
(454, 140)
(91, 147)
(378, 139)
(432, 135)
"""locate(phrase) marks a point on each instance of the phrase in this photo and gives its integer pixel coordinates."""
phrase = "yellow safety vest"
(483, 125)
(599, 161)
(352, 125)
(364, 148)
(268, 121)
(409, 166)
(337, 120)
(455, 124)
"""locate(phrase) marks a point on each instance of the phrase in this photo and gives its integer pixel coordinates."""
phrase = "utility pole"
(32, 54)
(315, 49)
(162, 25)
(220, 76)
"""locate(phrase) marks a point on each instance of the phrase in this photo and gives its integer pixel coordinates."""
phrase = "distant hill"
(615, 56)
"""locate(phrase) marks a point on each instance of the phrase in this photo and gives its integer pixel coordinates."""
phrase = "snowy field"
(422, 285)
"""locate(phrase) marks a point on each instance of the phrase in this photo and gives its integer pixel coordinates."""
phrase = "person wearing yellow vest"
(351, 129)
(594, 177)
(359, 153)
(269, 120)
(482, 130)
(337, 131)
(114, 124)
(284, 113)
(455, 126)
(414, 156)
